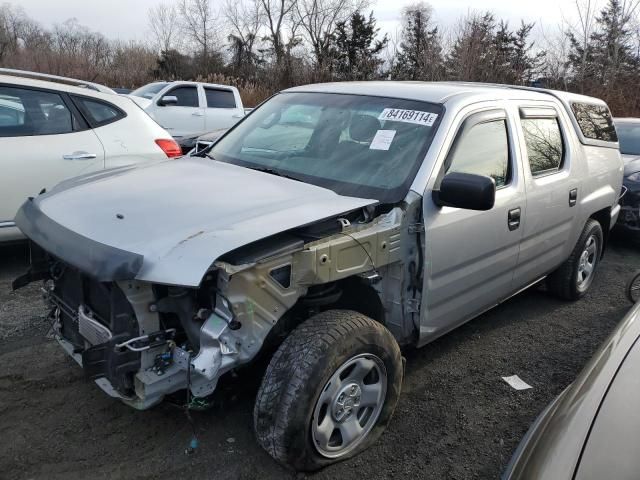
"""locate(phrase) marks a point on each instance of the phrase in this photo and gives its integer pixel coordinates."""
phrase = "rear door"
(471, 255)
(222, 108)
(552, 191)
(186, 117)
(45, 141)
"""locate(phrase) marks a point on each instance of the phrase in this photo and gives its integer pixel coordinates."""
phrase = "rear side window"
(545, 147)
(595, 121)
(187, 96)
(27, 112)
(217, 98)
(99, 113)
(483, 150)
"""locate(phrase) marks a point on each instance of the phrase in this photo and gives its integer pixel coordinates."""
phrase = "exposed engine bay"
(141, 341)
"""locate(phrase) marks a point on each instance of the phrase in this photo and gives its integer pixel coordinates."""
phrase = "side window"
(483, 149)
(545, 147)
(217, 98)
(26, 112)
(595, 121)
(99, 113)
(187, 96)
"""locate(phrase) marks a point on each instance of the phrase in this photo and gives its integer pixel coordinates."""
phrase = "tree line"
(263, 46)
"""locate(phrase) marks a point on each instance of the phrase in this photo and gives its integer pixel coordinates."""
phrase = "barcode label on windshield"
(408, 116)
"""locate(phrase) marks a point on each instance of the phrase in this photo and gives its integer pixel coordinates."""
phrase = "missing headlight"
(282, 275)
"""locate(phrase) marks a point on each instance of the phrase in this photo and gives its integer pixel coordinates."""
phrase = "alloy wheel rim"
(349, 405)
(587, 263)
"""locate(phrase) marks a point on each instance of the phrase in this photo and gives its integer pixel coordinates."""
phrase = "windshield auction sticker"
(382, 140)
(408, 116)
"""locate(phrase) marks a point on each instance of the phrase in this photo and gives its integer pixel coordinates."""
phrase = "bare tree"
(12, 23)
(580, 34)
(319, 18)
(276, 15)
(198, 24)
(556, 46)
(163, 26)
(244, 21)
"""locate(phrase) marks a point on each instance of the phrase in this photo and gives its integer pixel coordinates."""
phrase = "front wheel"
(574, 277)
(329, 391)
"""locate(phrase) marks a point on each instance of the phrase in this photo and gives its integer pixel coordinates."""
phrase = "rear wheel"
(329, 391)
(574, 277)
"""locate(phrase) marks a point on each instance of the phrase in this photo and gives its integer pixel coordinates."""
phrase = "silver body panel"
(182, 215)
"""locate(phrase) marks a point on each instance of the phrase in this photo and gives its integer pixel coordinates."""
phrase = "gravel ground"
(456, 418)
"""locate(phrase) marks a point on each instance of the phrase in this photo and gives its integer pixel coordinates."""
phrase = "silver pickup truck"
(333, 225)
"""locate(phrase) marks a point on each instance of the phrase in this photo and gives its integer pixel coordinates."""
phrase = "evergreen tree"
(420, 53)
(356, 50)
(606, 66)
(486, 51)
(472, 57)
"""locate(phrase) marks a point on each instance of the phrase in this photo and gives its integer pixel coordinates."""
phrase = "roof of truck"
(441, 92)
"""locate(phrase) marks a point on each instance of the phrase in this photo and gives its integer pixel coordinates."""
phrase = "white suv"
(61, 128)
(190, 108)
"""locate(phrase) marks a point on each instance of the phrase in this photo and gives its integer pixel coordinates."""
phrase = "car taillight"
(169, 147)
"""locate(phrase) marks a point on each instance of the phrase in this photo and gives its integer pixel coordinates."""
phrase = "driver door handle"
(514, 218)
(79, 156)
(197, 114)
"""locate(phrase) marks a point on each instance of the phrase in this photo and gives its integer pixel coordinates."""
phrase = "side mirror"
(168, 100)
(466, 190)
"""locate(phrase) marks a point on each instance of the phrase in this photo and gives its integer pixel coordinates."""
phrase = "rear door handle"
(573, 197)
(514, 218)
(79, 156)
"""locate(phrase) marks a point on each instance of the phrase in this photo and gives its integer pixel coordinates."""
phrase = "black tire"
(298, 373)
(633, 288)
(564, 282)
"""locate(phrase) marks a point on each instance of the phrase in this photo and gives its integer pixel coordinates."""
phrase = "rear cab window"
(219, 98)
(543, 140)
(595, 121)
(32, 112)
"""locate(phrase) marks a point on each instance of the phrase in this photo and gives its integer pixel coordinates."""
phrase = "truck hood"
(171, 220)
(144, 103)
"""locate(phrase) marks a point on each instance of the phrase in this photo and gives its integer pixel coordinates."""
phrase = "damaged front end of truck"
(141, 337)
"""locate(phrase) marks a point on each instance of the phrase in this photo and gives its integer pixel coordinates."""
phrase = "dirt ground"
(456, 418)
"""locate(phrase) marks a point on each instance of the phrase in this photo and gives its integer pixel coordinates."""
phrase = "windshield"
(629, 138)
(149, 90)
(368, 147)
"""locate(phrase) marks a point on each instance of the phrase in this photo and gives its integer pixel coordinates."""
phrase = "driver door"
(471, 255)
(184, 118)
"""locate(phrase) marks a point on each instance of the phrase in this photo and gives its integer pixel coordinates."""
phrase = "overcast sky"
(127, 19)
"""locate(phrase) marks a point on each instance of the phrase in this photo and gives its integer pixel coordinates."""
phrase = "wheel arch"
(603, 217)
(352, 293)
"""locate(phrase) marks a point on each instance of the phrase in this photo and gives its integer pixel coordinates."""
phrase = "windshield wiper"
(272, 171)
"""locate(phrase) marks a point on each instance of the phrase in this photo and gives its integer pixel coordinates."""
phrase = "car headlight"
(634, 177)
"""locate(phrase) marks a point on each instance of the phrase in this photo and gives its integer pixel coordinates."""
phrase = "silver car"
(590, 431)
(332, 226)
